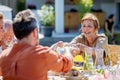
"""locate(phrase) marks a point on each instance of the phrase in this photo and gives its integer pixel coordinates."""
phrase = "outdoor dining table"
(108, 75)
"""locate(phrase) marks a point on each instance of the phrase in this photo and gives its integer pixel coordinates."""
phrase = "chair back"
(114, 51)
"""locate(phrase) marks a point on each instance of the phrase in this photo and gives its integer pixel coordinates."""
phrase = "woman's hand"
(58, 44)
(76, 48)
(75, 51)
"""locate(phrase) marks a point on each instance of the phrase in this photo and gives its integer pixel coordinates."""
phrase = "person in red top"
(26, 60)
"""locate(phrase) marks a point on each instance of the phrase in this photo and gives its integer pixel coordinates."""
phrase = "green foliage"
(20, 5)
(84, 6)
(116, 37)
(47, 15)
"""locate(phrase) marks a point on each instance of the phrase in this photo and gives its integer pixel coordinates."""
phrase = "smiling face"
(88, 28)
(1, 28)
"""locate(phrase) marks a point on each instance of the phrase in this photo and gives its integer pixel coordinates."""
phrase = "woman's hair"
(90, 16)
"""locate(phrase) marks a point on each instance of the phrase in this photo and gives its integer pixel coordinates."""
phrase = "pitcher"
(99, 62)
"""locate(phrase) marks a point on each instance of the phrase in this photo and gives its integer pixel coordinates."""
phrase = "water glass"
(99, 62)
(88, 57)
(88, 51)
(118, 66)
(112, 73)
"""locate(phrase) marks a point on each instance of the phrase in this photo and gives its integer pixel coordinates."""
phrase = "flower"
(47, 15)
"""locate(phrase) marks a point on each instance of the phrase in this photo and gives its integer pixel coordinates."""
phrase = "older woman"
(90, 36)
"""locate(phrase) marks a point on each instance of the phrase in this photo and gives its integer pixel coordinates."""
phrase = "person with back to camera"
(26, 60)
(109, 27)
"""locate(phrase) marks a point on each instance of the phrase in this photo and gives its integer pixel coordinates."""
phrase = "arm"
(57, 62)
(103, 43)
(112, 31)
(106, 27)
(78, 41)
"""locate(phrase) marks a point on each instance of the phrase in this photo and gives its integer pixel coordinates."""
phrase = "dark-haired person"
(109, 27)
(26, 60)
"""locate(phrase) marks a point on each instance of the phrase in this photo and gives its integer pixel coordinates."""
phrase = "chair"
(114, 51)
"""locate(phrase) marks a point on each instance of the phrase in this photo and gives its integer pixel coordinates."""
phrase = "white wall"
(96, 5)
(108, 8)
(38, 3)
(67, 8)
(7, 12)
(117, 0)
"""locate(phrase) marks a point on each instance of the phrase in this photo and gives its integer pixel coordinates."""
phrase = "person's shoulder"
(39, 49)
(80, 36)
(102, 36)
(44, 51)
(107, 20)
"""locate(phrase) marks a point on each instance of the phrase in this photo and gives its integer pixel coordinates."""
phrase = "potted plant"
(47, 19)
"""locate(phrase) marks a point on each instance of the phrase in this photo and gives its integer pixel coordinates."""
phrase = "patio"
(66, 37)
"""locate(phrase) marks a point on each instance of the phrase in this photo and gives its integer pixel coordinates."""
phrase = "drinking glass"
(99, 63)
(118, 67)
(88, 51)
(88, 58)
(112, 72)
(114, 69)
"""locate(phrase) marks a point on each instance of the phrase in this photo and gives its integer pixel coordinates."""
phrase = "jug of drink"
(99, 62)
